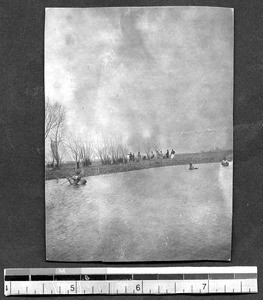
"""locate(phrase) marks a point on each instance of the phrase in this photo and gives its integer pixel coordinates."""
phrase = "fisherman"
(76, 177)
(191, 167)
(224, 162)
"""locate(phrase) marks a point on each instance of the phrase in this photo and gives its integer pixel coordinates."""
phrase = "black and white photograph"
(138, 133)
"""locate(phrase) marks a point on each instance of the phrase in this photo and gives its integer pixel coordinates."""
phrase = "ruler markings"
(125, 282)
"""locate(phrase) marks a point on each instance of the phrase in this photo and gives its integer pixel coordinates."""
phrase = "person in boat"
(224, 162)
(76, 177)
(191, 167)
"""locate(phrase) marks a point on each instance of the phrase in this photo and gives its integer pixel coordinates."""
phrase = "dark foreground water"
(167, 213)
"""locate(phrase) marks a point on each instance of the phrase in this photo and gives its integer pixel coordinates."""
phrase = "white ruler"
(163, 280)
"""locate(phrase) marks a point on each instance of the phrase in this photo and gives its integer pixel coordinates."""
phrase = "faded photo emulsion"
(138, 133)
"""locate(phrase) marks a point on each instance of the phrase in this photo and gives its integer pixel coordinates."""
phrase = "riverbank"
(180, 159)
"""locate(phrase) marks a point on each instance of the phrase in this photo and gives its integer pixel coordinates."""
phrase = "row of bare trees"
(60, 141)
(109, 149)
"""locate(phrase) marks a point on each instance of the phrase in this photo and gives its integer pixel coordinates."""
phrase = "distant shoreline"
(179, 159)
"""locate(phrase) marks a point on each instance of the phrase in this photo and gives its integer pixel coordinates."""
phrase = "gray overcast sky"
(165, 72)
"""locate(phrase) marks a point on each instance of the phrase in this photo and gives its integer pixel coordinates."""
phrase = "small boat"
(72, 182)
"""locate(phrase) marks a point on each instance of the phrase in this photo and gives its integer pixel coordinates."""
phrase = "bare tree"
(154, 144)
(150, 145)
(56, 131)
(102, 151)
(53, 114)
(74, 147)
(111, 150)
(86, 151)
(147, 147)
(122, 151)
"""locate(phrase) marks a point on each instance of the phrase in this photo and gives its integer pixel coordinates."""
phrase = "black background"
(22, 210)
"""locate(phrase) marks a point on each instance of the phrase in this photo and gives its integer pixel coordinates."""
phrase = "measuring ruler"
(145, 280)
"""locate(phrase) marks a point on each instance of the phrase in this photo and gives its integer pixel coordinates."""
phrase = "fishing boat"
(72, 182)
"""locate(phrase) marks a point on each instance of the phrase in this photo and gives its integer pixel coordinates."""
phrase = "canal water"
(159, 214)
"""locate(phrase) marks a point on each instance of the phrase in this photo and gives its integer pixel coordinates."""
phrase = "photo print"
(138, 133)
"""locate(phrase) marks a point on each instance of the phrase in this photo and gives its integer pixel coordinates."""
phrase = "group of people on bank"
(158, 154)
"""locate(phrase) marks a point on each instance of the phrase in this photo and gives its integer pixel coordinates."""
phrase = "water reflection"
(167, 213)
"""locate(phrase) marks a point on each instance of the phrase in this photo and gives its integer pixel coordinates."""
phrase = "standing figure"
(130, 156)
(139, 156)
(167, 154)
(172, 153)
